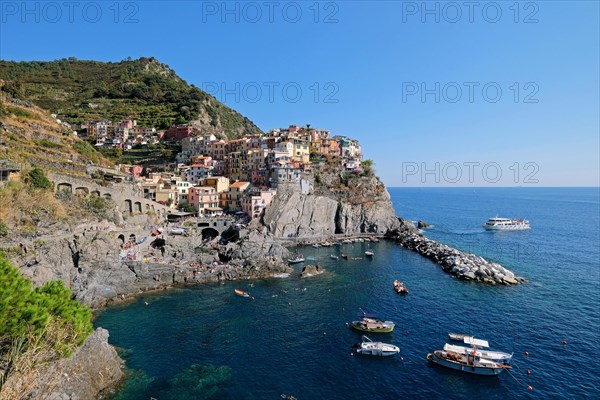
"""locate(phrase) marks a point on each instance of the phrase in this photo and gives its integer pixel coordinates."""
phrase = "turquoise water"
(205, 342)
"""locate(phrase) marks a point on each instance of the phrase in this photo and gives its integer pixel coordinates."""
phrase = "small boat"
(369, 347)
(374, 239)
(345, 256)
(326, 244)
(373, 325)
(316, 245)
(360, 240)
(346, 241)
(471, 363)
(459, 337)
(333, 256)
(369, 253)
(400, 287)
(242, 293)
(297, 259)
(495, 356)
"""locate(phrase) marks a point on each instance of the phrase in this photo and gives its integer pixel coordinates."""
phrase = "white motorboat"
(369, 253)
(470, 363)
(297, 259)
(369, 347)
(333, 256)
(496, 356)
(459, 337)
(506, 224)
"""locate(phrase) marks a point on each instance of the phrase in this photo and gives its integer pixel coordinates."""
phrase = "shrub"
(24, 309)
(4, 231)
(48, 144)
(37, 179)
(36, 326)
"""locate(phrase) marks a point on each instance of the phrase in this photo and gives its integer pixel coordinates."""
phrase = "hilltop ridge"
(144, 89)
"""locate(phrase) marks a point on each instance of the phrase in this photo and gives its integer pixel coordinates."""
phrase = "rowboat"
(373, 325)
(369, 253)
(242, 293)
(369, 347)
(470, 363)
(333, 256)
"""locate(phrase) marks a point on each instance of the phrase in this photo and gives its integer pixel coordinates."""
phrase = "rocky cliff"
(87, 260)
(93, 369)
(309, 210)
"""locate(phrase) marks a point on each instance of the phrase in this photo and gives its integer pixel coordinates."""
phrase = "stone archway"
(122, 238)
(64, 187)
(127, 206)
(82, 191)
(137, 207)
(209, 233)
(132, 238)
(107, 196)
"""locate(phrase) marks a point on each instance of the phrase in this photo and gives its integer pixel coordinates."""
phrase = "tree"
(368, 167)
(186, 207)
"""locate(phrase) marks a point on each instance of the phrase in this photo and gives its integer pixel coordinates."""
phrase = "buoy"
(324, 333)
(352, 354)
(529, 387)
(527, 353)
(346, 324)
(528, 372)
(564, 342)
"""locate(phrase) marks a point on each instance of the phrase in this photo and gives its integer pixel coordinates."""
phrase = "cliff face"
(361, 206)
(88, 262)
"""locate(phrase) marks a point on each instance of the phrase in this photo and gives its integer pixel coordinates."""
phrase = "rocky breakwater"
(461, 265)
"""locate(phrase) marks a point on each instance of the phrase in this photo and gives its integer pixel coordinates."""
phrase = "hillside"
(144, 89)
(30, 137)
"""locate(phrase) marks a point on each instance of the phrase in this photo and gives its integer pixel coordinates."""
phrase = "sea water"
(204, 342)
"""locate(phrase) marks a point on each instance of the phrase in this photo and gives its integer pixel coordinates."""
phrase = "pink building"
(133, 170)
(256, 200)
(204, 199)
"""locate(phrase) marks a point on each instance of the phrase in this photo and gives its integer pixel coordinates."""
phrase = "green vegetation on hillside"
(36, 325)
(144, 89)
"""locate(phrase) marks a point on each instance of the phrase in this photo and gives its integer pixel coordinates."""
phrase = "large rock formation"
(88, 262)
(301, 210)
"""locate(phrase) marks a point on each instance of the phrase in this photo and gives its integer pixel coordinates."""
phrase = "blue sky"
(417, 85)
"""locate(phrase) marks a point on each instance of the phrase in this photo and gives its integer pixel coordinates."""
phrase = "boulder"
(311, 270)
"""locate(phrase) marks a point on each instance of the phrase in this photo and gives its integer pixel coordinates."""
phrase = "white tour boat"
(506, 224)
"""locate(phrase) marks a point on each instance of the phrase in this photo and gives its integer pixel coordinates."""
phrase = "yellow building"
(221, 186)
(301, 150)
